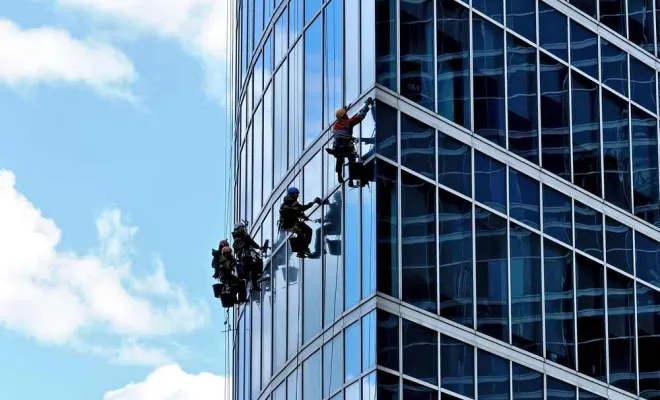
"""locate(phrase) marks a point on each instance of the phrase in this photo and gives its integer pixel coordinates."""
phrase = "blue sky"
(112, 157)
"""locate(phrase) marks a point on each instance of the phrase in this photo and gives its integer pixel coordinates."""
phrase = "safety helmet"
(223, 243)
(226, 250)
(340, 113)
(292, 191)
(239, 225)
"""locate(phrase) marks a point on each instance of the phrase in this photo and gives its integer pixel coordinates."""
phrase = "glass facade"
(507, 244)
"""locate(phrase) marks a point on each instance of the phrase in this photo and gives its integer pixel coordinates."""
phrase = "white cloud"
(170, 382)
(48, 55)
(64, 298)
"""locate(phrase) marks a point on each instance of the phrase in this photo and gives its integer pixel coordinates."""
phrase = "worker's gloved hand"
(369, 101)
(317, 200)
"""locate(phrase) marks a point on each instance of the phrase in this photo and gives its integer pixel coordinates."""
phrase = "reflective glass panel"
(258, 10)
(279, 260)
(584, 49)
(585, 395)
(453, 49)
(590, 317)
(268, 143)
(268, 58)
(558, 390)
(386, 130)
(294, 385)
(258, 159)
(613, 15)
(557, 219)
(648, 333)
(296, 20)
(258, 78)
(553, 31)
(369, 387)
(521, 18)
(522, 100)
(640, 24)
(415, 391)
(420, 352)
(526, 276)
(642, 84)
(329, 170)
(293, 317)
(311, 8)
(311, 376)
(333, 62)
(454, 164)
(386, 45)
(351, 349)
(387, 229)
(312, 286)
(648, 258)
(586, 135)
(417, 146)
(492, 8)
(616, 151)
(555, 116)
(588, 6)
(527, 383)
(488, 80)
(352, 50)
(328, 243)
(524, 198)
(621, 331)
(416, 47)
(490, 181)
(280, 392)
(369, 234)
(388, 340)
(266, 328)
(353, 391)
(313, 84)
(255, 376)
(296, 94)
(457, 369)
(559, 318)
(367, 50)
(247, 368)
(351, 247)
(645, 166)
(248, 183)
(388, 386)
(418, 260)
(614, 67)
(492, 376)
(619, 241)
(281, 124)
(332, 365)
(281, 36)
(455, 237)
(369, 341)
(588, 230)
(492, 279)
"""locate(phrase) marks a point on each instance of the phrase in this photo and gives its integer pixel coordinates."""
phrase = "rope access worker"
(292, 218)
(218, 258)
(243, 243)
(342, 133)
(225, 265)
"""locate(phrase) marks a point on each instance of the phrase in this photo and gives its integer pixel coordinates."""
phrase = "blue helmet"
(292, 191)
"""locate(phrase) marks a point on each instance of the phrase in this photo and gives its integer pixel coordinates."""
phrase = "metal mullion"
(398, 47)
(570, 107)
(575, 288)
(539, 142)
(630, 139)
(542, 246)
(636, 338)
(508, 254)
(399, 216)
(437, 234)
(400, 351)
(435, 58)
(471, 45)
(601, 150)
(474, 251)
(454, 394)
(505, 53)
(607, 317)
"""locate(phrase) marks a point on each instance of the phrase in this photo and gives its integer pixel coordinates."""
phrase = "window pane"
(591, 318)
(588, 230)
(613, 15)
(524, 198)
(247, 370)
(281, 124)
(584, 49)
(420, 352)
(527, 383)
(294, 385)
(586, 135)
(266, 330)
(369, 233)
(351, 349)
(648, 333)
(312, 286)
(367, 50)
(521, 18)
(386, 44)
(526, 307)
(330, 238)
(369, 387)
(648, 259)
(280, 392)
(281, 36)
(369, 341)
(248, 184)
(585, 395)
(351, 247)
(331, 179)
(386, 130)
(614, 63)
(621, 331)
(268, 143)
(388, 386)
(268, 58)
(616, 151)
(557, 215)
(640, 24)
(492, 279)
(457, 367)
(352, 30)
(257, 153)
(488, 75)
(311, 8)
(313, 85)
(419, 280)
(490, 182)
(559, 325)
(553, 31)
(645, 166)
(332, 363)
(353, 391)
(558, 390)
(492, 8)
(296, 94)
(415, 391)
(387, 229)
(588, 6)
(453, 46)
(388, 340)
(293, 317)
(454, 164)
(311, 378)
(619, 242)
(417, 146)
(255, 376)
(555, 113)
(642, 84)
(522, 100)
(279, 300)
(416, 30)
(333, 63)
(492, 376)
(455, 236)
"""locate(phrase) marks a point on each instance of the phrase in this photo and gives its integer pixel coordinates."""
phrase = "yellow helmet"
(340, 113)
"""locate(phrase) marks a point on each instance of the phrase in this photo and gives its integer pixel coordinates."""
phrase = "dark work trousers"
(343, 151)
(304, 233)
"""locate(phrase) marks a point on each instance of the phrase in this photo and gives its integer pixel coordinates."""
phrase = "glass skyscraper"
(508, 243)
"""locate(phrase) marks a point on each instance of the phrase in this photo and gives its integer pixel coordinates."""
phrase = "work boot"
(330, 151)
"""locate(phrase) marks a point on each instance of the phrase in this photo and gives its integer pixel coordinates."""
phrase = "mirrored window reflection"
(330, 175)
(584, 49)
(648, 258)
(526, 276)
(249, 162)
(590, 317)
(492, 8)
(640, 24)
(368, 341)
(351, 350)
(352, 50)
(492, 279)
(255, 376)
(527, 383)
(328, 243)
(522, 100)
(418, 259)
(311, 376)
(296, 21)
(648, 333)
(353, 391)
(455, 237)
(453, 49)
(367, 50)
(588, 6)
(417, 146)
(559, 317)
(386, 131)
(621, 331)
(588, 230)
(454, 164)
(415, 391)
(268, 58)
(420, 352)
(488, 79)
(619, 241)
(616, 151)
(247, 368)
(280, 392)
(313, 83)
(258, 10)
(258, 79)
(387, 340)
(586, 395)
(296, 95)
(521, 18)
(312, 173)
(524, 198)
(613, 15)
(553, 31)
(558, 390)
(492, 376)
(645, 166)
(490, 182)
(557, 218)
(586, 135)
(281, 36)
(280, 144)
(369, 387)
(279, 276)
(457, 369)
(312, 287)
(311, 8)
(352, 247)
(386, 44)
(338, 396)
(266, 328)
(416, 47)
(258, 167)
(555, 116)
(388, 386)
(642, 84)
(294, 385)
(614, 67)
(332, 365)
(386, 228)
(333, 61)
(369, 226)
(268, 144)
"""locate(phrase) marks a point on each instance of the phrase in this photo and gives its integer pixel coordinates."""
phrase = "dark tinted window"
(454, 164)
(616, 151)
(614, 67)
(492, 8)
(416, 32)
(586, 135)
(642, 84)
(619, 240)
(369, 336)
(584, 49)
(417, 146)
(386, 131)
(588, 230)
(527, 383)
(555, 116)
(621, 331)
(387, 336)
(588, 6)
(457, 367)
(557, 215)
(492, 376)
(648, 333)
(640, 23)
(351, 247)
(613, 15)
(387, 228)
(490, 182)
(420, 352)
(521, 17)
(492, 280)
(645, 166)
(558, 390)
(553, 31)
(388, 386)
(585, 395)
(522, 99)
(386, 45)
(591, 318)
(524, 198)
(415, 391)
(648, 258)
